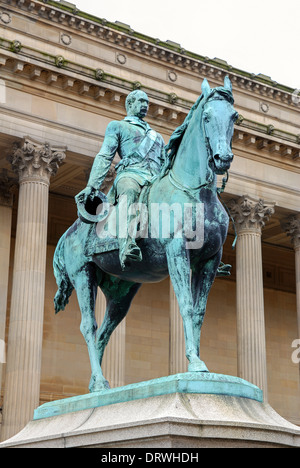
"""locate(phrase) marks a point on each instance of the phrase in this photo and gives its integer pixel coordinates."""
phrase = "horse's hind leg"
(119, 295)
(86, 287)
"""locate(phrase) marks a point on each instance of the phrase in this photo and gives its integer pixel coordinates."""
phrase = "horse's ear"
(227, 83)
(205, 88)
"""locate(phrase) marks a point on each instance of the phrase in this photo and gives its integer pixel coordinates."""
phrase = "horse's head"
(219, 117)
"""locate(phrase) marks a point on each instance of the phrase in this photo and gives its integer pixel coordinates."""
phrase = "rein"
(182, 187)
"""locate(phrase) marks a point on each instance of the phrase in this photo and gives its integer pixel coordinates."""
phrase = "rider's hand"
(82, 197)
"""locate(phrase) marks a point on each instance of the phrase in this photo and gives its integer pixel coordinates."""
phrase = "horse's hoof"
(197, 367)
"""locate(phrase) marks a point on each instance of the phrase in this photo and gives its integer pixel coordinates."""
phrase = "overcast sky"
(257, 36)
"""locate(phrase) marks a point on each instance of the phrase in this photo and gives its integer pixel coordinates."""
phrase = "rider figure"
(143, 155)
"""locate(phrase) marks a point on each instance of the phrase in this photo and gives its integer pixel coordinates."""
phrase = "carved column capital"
(35, 161)
(292, 228)
(7, 186)
(250, 214)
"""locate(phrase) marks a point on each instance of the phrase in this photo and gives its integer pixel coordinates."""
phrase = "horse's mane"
(176, 137)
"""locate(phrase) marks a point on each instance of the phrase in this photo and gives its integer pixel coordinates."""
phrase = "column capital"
(35, 161)
(7, 185)
(251, 214)
(292, 228)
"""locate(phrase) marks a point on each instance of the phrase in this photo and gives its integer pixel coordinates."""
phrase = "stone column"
(292, 228)
(34, 164)
(177, 361)
(113, 364)
(6, 203)
(250, 216)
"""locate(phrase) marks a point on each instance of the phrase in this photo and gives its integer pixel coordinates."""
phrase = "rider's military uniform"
(141, 149)
(142, 153)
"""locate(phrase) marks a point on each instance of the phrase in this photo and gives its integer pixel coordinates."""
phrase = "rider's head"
(137, 104)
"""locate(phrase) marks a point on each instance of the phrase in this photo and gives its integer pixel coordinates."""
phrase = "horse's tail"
(65, 287)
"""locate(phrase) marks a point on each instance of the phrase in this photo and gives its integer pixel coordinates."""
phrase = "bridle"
(220, 190)
(209, 150)
(193, 191)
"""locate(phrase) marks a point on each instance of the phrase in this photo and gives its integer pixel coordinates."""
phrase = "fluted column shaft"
(34, 164)
(250, 310)
(250, 216)
(6, 202)
(177, 360)
(292, 228)
(26, 319)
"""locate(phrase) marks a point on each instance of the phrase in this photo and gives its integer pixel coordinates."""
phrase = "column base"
(189, 410)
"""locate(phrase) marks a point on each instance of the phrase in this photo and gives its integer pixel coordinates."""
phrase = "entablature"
(67, 18)
(22, 63)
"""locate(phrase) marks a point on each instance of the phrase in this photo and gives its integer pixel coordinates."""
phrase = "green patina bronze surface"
(196, 383)
(143, 155)
(182, 174)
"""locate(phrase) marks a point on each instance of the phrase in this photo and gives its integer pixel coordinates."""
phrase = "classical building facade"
(64, 75)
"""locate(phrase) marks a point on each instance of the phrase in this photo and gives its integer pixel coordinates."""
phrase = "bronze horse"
(200, 149)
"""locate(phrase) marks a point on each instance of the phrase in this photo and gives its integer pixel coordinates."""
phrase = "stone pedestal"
(190, 410)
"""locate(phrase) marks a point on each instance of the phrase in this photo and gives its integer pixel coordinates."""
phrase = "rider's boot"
(128, 249)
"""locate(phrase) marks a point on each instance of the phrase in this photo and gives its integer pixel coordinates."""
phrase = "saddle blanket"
(103, 237)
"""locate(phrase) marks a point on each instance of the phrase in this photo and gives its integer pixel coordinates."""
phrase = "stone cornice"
(66, 15)
(276, 144)
(77, 80)
(30, 63)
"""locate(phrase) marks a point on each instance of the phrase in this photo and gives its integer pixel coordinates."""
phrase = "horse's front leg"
(86, 289)
(179, 271)
(202, 279)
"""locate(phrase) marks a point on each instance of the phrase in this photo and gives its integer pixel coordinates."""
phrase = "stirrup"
(224, 270)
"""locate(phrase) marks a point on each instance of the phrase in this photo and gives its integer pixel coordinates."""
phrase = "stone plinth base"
(194, 411)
